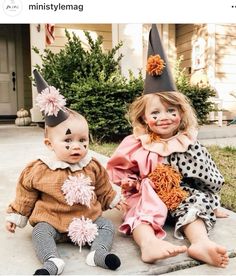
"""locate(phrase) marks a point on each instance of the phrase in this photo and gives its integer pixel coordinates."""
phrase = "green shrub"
(92, 83)
(199, 95)
(104, 103)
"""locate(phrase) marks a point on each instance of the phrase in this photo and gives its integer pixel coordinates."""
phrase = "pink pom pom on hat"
(82, 230)
(50, 102)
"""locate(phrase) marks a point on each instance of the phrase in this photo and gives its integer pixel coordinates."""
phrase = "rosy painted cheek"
(151, 122)
(176, 120)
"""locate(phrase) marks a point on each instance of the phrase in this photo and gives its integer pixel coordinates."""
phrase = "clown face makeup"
(68, 131)
(69, 140)
(162, 119)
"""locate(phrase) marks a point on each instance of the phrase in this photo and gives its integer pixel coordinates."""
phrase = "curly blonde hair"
(188, 116)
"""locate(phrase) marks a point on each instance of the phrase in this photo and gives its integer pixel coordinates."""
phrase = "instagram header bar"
(117, 11)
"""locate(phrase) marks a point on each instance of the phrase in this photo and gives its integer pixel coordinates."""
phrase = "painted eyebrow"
(68, 131)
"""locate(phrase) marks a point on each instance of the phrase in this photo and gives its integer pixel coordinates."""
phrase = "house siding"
(186, 35)
(172, 53)
(226, 53)
(219, 59)
(104, 30)
(225, 66)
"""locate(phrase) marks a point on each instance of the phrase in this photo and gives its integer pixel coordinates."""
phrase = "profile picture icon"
(12, 7)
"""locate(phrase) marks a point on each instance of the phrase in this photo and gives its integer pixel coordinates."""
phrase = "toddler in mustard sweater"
(63, 195)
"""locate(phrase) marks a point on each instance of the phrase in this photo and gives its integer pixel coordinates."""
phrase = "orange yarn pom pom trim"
(166, 182)
(155, 65)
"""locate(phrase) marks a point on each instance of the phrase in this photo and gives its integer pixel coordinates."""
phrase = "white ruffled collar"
(164, 147)
(54, 164)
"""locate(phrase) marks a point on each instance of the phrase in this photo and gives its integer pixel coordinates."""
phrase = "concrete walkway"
(19, 145)
(221, 136)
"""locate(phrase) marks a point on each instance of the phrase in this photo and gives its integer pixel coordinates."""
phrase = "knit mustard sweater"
(40, 198)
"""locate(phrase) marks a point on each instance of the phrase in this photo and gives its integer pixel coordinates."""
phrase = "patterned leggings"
(45, 237)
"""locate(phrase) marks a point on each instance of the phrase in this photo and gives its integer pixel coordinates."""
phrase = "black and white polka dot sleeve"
(197, 164)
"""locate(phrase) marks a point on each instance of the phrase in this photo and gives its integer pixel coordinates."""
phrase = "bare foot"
(220, 214)
(158, 249)
(210, 253)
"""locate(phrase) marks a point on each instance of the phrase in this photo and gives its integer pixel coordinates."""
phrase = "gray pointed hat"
(50, 102)
(158, 76)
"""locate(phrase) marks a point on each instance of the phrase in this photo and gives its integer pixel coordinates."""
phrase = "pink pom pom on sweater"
(82, 230)
(78, 189)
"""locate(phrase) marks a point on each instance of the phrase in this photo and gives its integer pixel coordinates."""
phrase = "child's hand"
(128, 185)
(122, 206)
(11, 226)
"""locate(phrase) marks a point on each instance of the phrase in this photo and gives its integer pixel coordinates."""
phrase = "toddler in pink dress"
(165, 139)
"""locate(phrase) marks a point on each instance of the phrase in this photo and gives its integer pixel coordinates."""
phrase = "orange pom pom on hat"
(158, 76)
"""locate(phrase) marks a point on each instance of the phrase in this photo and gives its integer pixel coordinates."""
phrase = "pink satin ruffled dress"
(132, 161)
(135, 158)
